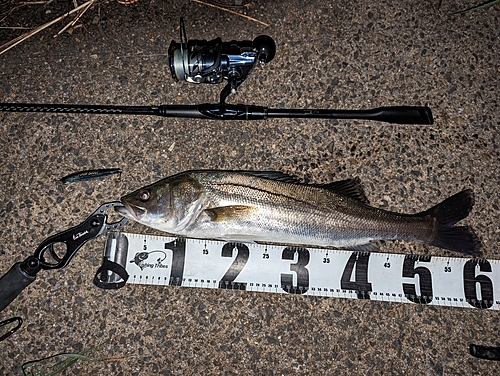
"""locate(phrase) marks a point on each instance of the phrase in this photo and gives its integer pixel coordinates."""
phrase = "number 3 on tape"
(445, 281)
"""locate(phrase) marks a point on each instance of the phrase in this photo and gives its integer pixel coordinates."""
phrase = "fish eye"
(144, 195)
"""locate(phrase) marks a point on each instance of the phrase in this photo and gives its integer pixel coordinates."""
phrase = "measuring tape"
(443, 281)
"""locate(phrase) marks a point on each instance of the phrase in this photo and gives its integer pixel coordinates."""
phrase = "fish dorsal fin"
(273, 175)
(225, 213)
(349, 187)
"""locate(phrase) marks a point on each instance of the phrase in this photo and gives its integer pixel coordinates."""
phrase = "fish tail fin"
(446, 214)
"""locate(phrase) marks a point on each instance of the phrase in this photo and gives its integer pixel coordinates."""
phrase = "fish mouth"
(131, 211)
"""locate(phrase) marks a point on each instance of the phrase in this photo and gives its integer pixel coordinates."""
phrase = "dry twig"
(14, 42)
(23, 4)
(72, 23)
(231, 11)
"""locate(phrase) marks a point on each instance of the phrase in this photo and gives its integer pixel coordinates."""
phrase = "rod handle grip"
(12, 284)
(405, 115)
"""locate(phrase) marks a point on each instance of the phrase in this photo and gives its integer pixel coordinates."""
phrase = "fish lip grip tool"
(48, 257)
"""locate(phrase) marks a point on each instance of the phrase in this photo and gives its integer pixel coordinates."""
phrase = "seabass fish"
(275, 208)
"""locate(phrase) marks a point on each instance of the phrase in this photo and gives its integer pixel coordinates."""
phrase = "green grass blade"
(62, 362)
(477, 7)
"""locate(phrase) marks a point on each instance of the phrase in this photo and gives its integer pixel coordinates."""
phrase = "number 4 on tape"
(445, 281)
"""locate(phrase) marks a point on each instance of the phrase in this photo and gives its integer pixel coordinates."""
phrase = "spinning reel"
(212, 62)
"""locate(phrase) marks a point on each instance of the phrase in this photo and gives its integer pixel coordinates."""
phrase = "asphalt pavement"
(330, 55)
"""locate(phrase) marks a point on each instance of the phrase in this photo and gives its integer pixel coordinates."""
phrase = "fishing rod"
(213, 62)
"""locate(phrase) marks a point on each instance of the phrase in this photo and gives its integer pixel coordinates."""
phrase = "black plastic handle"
(403, 115)
(12, 283)
(484, 352)
(396, 114)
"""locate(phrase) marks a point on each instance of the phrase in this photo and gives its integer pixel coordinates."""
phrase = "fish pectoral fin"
(226, 213)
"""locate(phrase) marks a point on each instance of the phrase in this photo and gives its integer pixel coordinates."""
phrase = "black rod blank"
(397, 115)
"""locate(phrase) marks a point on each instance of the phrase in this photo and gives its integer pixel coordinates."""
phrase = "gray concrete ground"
(330, 54)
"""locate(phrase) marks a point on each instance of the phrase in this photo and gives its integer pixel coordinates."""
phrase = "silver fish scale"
(300, 214)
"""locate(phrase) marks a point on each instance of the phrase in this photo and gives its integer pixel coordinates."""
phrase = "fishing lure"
(90, 174)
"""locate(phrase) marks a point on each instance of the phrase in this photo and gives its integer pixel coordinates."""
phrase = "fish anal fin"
(367, 247)
(349, 187)
(232, 212)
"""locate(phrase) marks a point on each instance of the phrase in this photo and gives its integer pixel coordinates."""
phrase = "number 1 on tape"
(445, 281)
